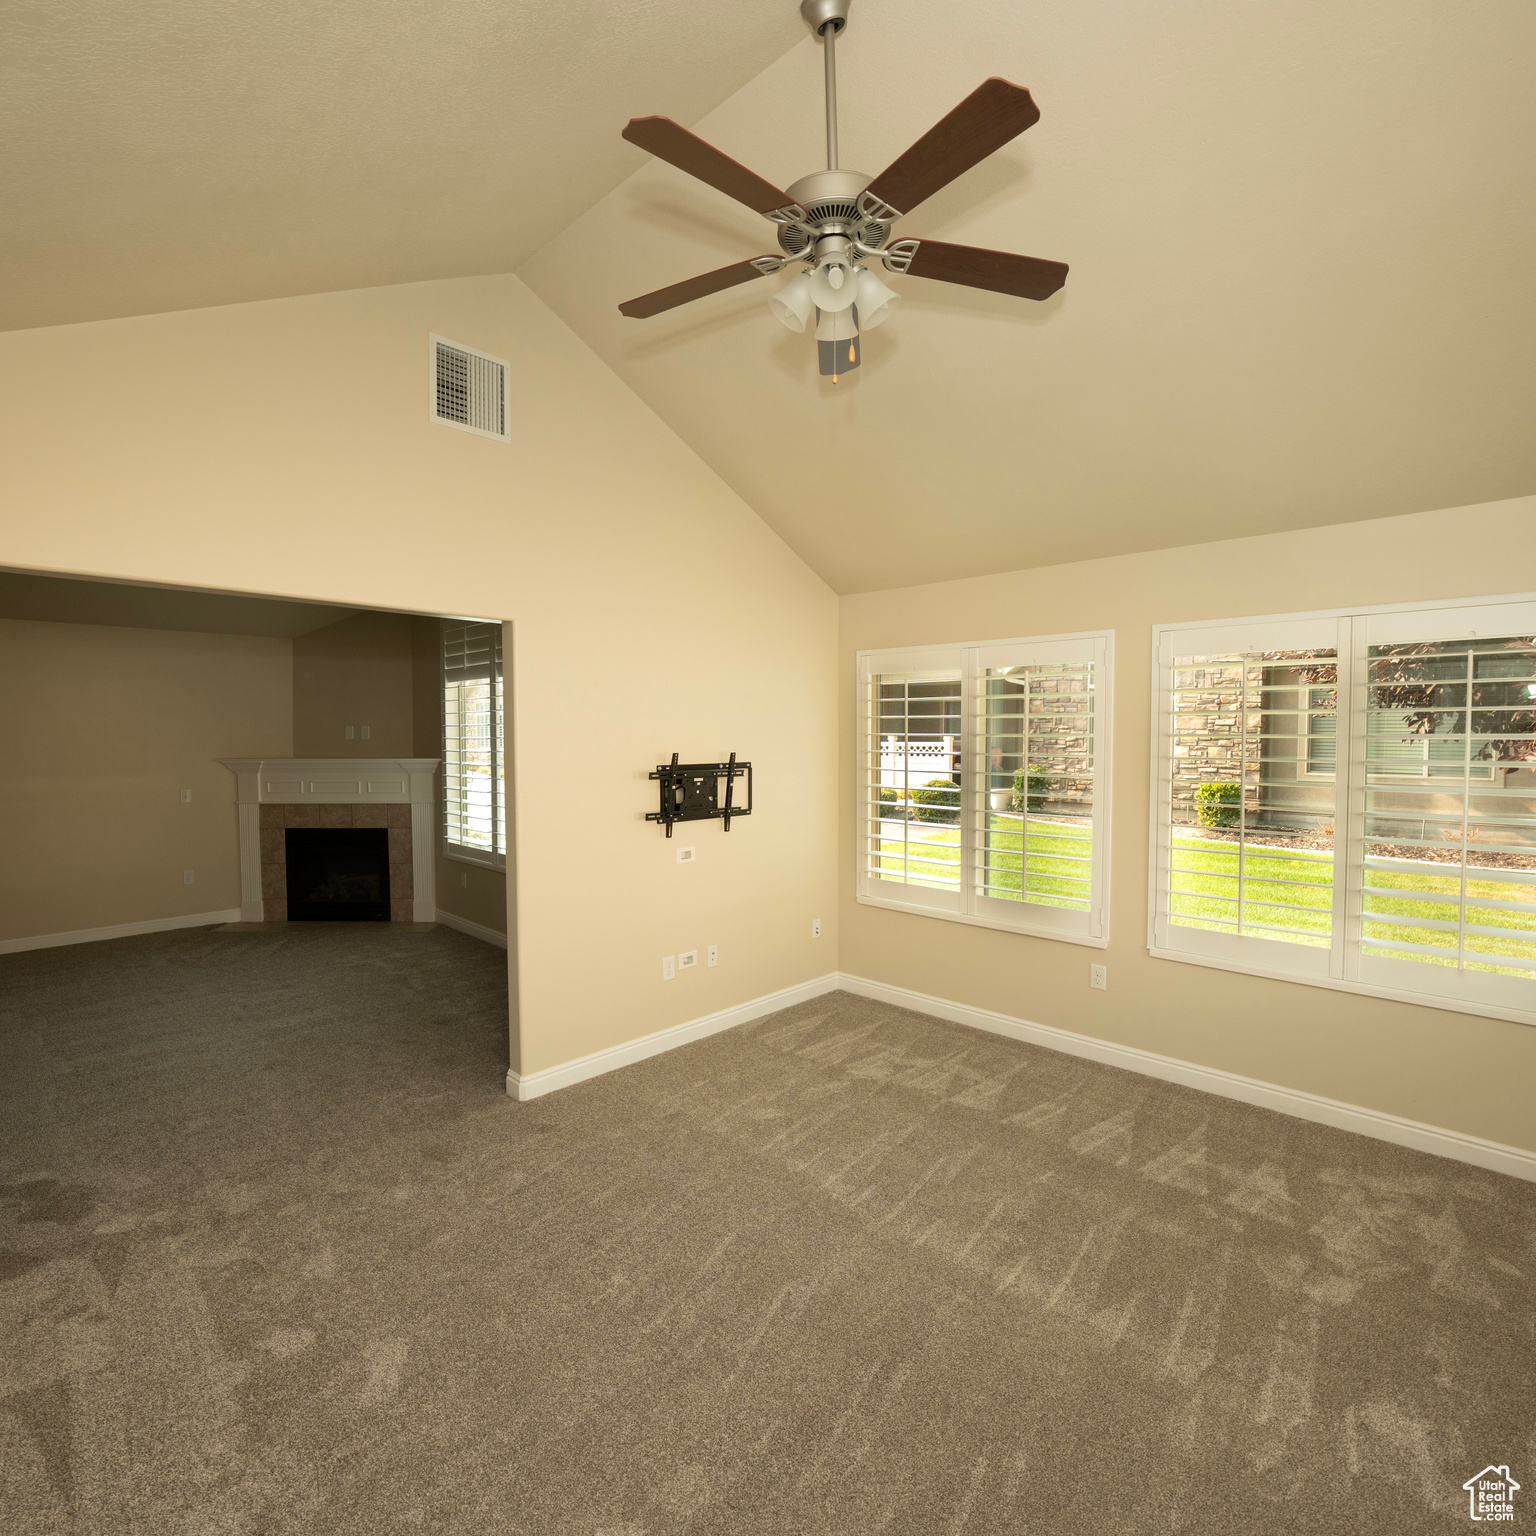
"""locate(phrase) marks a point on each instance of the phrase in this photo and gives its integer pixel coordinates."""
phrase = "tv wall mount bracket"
(691, 792)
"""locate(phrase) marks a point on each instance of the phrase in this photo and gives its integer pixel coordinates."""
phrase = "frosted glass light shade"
(832, 299)
(793, 303)
(876, 301)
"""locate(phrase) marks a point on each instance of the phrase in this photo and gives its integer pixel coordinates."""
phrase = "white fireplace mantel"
(263, 781)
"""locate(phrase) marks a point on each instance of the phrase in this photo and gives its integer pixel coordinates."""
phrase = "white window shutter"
(983, 783)
(474, 778)
(1377, 832)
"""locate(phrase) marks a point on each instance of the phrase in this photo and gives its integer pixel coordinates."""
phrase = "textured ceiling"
(168, 154)
(65, 600)
(1303, 288)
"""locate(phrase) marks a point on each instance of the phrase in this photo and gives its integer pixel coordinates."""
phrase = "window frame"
(464, 853)
(1356, 628)
(972, 658)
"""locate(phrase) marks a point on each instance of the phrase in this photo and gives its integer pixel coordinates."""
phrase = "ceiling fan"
(835, 221)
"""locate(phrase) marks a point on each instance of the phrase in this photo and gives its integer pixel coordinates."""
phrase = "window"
(474, 778)
(984, 783)
(1351, 799)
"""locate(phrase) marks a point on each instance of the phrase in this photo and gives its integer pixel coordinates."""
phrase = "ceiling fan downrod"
(826, 18)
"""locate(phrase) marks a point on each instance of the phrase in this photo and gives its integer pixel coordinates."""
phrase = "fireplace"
(378, 802)
(337, 874)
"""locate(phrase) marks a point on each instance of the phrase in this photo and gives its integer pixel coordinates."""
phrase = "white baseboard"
(1517, 1161)
(119, 931)
(563, 1076)
(1247, 1090)
(474, 930)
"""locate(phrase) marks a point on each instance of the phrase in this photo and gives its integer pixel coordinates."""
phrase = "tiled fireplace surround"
(277, 793)
(274, 851)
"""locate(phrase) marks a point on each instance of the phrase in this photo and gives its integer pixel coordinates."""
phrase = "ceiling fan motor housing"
(831, 203)
(820, 14)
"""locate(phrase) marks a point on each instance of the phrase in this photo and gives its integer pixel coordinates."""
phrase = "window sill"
(1360, 988)
(1029, 930)
(461, 855)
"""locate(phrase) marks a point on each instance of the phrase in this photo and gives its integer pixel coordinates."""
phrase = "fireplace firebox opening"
(338, 874)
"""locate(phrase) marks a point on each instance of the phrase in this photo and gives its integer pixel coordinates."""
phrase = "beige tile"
(273, 816)
(304, 815)
(399, 815)
(370, 815)
(335, 815)
(402, 911)
(401, 883)
(274, 845)
(275, 911)
(399, 845)
(274, 881)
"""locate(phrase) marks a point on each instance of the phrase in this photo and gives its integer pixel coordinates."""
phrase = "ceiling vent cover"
(469, 389)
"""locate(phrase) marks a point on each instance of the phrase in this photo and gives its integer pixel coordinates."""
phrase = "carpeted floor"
(278, 1255)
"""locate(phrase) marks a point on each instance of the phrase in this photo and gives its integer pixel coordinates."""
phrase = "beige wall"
(1467, 1073)
(356, 672)
(103, 729)
(652, 610)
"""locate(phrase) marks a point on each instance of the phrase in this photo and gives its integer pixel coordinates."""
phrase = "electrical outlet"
(815, 927)
(1098, 977)
(688, 960)
(687, 855)
(350, 730)
(186, 877)
(667, 969)
(367, 732)
(714, 954)
(186, 797)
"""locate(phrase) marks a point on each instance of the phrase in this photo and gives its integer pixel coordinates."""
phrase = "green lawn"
(1058, 860)
(1288, 896)
(1287, 892)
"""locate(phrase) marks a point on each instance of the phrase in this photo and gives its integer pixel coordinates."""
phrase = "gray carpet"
(278, 1255)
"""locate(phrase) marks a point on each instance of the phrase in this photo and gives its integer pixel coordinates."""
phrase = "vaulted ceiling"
(1302, 241)
(169, 154)
(1301, 237)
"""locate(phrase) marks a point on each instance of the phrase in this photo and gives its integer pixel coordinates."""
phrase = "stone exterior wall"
(275, 819)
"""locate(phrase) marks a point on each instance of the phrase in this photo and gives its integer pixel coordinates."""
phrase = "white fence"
(911, 764)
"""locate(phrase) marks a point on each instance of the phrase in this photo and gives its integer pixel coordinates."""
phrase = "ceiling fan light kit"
(837, 221)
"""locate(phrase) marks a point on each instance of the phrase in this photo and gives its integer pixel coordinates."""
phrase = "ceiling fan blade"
(993, 113)
(663, 138)
(1025, 277)
(698, 287)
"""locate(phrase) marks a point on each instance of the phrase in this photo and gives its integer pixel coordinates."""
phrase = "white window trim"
(927, 657)
(1352, 762)
(461, 855)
